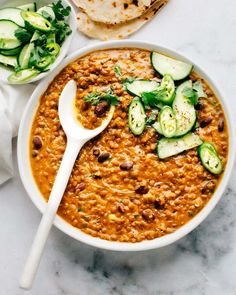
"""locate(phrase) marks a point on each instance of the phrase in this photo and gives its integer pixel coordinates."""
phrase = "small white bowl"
(38, 200)
(6, 71)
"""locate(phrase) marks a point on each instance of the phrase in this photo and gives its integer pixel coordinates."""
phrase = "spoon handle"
(72, 149)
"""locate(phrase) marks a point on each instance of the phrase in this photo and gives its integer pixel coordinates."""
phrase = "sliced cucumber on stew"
(11, 52)
(137, 87)
(29, 7)
(44, 62)
(168, 84)
(47, 11)
(165, 65)
(8, 60)
(184, 110)
(53, 48)
(37, 21)
(168, 147)
(136, 117)
(22, 76)
(210, 158)
(157, 127)
(7, 35)
(167, 122)
(12, 14)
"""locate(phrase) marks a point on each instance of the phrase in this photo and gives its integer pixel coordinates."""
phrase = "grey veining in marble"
(204, 262)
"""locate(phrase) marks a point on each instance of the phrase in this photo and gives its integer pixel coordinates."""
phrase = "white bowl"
(36, 197)
(6, 71)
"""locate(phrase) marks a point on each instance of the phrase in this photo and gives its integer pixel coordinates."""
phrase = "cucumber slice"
(13, 14)
(137, 87)
(184, 111)
(165, 65)
(28, 7)
(37, 21)
(8, 60)
(210, 158)
(7, 35)
(167, 122)
(22, 76)
(137, 117)
(24, 55)
(157, 127)
(168, 147)
(11, 52)
(47, 11)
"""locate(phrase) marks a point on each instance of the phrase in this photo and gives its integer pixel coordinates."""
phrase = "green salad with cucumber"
(170, 103)
(31, 38)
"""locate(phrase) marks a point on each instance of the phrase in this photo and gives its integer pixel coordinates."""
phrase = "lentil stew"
(119, 189)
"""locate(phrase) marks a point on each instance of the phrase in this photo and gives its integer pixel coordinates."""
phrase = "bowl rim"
(63, 53)
(36, 197)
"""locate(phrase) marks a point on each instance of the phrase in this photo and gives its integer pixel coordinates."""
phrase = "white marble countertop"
(204, 262)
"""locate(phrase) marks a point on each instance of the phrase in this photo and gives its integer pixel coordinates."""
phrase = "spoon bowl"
(71, 126)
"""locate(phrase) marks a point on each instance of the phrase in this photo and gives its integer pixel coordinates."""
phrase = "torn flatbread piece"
(105, 32)
(114, 11)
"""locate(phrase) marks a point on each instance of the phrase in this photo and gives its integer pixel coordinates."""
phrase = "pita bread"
(107, 32)
(113, 11)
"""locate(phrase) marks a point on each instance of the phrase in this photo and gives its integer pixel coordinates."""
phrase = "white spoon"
(77, 136)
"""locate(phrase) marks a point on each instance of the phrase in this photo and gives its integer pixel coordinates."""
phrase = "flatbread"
(108, 32)
(114, 11)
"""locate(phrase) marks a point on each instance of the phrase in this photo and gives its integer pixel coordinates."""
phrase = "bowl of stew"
(159, 168)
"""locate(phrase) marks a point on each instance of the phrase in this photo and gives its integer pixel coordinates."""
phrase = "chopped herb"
(95, 97)
(191, 94)
(127, 80)
(62, 30)
(22, 35)
(153, 99)
(197, 86)
(60, 11)
(152, 118)
(117, 71)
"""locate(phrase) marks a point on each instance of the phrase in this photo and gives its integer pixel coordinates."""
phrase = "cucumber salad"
(31, 38)
(170, 104)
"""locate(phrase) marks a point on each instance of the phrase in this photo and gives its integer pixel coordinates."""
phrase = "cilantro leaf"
(60, 11)
(95, 97)
(127, 80)
(22, 35)
(197, 86)
(153, 99)
(191, 94)
(62, 30)
(117, 71)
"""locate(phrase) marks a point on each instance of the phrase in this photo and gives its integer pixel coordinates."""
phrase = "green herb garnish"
(197, 86)
(153, 99)
(95, 97)
(23, 35)
(60, 11)
(117, 71)
(195, 92)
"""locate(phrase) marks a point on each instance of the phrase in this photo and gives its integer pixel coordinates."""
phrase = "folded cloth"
(12, 102)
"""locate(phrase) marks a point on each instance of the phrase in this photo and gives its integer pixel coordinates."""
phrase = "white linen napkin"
(12, 102)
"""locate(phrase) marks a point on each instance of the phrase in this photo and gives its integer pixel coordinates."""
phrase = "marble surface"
(202, 263)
